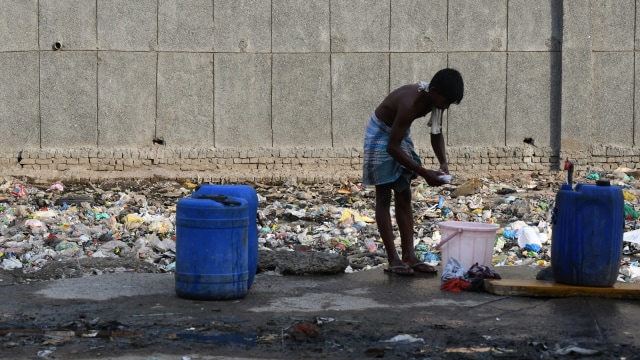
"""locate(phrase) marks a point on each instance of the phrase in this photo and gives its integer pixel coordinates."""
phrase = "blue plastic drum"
(588, 225)
(248, 193)
(211, 247)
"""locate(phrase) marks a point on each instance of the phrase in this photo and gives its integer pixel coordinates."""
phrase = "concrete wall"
(282, 86)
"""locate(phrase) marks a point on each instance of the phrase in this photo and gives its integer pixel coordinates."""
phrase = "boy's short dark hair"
(448, 83)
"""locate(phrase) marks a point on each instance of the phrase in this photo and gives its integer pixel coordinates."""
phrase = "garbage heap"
(57, 222)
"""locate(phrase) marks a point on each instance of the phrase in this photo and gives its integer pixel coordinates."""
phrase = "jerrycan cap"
(603, 183)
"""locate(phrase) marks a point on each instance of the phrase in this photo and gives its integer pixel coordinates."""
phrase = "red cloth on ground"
(455, 285)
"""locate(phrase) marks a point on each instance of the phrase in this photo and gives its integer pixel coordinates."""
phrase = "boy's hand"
(431, 176)
(444, 167)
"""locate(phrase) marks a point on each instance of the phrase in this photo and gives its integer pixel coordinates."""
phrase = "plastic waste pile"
(56, 222)
(44, 225)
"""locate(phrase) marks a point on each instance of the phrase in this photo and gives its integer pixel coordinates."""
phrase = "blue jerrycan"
(249, 194)
(211, 247)
(588, 225)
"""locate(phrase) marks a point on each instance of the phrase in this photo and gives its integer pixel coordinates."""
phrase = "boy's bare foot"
(420, 267)
(403, 270)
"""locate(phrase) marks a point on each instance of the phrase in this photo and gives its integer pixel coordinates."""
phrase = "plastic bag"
(528, 235)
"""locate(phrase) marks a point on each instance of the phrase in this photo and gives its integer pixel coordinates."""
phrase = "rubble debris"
(301, 262)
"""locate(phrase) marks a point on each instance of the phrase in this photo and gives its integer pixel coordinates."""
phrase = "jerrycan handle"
(223, 199)
(445, 240)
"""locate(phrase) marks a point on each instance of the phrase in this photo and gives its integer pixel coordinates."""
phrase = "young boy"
(390, 162)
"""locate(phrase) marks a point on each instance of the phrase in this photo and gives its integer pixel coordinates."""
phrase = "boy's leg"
(383, 219)
(404, 218)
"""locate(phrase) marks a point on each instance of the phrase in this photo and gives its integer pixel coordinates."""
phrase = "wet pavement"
(367, 314)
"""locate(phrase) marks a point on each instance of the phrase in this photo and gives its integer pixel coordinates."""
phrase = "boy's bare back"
(407, 101)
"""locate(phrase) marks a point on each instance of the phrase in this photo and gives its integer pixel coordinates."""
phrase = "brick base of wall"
(277, 165)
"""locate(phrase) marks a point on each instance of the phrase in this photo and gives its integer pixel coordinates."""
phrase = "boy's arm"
(399, 128)
(401, 124)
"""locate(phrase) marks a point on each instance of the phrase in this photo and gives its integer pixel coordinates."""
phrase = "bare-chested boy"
(390, 162)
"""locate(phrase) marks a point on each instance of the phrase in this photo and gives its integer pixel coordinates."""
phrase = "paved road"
(350, 316)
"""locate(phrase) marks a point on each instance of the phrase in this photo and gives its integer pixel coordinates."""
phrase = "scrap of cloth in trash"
(379, 167)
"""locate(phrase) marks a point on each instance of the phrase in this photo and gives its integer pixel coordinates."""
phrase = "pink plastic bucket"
(467, 242)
